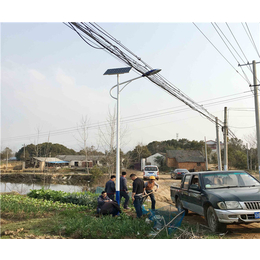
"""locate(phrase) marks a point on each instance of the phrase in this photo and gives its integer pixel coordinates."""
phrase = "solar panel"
(117, 71)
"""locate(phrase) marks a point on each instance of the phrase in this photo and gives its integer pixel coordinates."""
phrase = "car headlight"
(229, 205)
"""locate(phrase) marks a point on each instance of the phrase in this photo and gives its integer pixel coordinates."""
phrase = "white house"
(213, 145)
(152, 159)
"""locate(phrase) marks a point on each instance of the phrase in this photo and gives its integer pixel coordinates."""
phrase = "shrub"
(96, 173)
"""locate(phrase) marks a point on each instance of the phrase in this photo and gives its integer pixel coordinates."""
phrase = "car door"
(195, 199)
(185, 191)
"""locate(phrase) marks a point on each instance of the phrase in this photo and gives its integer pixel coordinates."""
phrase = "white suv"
(150, 170)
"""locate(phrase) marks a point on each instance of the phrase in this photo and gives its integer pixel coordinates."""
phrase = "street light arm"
(147, 74)
(126, 83)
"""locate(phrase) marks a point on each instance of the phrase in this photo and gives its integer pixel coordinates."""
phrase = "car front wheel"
(213, 222)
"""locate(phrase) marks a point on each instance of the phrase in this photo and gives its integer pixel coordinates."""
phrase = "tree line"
(238, 155)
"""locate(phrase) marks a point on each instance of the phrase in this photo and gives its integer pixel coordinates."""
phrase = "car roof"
(210, 172)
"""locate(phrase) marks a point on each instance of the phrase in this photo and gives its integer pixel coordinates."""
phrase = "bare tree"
(36, 143)
(139, 149)
(252, 142)
(107, 139)
(83, 133)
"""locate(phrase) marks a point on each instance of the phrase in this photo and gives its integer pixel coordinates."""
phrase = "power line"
(230, 50)
(251, 39)
(114, 48)
(220, 52)
(135, 118)
(237, 43)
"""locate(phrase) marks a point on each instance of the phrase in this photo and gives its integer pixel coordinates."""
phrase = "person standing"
(110, 188)
(137, 194)
(124, 190)
(149, 185)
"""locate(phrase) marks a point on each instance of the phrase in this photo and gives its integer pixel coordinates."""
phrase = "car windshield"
(230, 179)
(182, 170)
(150, 169)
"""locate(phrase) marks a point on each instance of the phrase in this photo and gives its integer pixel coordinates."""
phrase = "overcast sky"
(51, 79)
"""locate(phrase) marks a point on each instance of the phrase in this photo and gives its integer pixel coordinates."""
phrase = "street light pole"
(117, 72)
(118, 163)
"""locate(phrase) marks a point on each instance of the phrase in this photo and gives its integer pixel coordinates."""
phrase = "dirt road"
(241, 231)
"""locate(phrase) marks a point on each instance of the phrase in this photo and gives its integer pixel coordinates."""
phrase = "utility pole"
(6, 159)
(257, 116)
(23, 167)
(225, 133)
(218, 147)
(256, 111)
(206, 153)
(247, 156)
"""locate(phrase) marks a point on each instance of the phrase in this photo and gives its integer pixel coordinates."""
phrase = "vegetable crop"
(79, 198)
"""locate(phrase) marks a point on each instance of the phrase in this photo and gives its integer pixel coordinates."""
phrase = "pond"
(24, 188)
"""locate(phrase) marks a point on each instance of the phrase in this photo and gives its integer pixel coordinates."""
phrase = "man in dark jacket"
(124, 190)
(106, 205)
(110, 188)
(137, 194)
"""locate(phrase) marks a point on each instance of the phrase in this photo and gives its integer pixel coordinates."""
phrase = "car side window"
(186, 181)
(195, 183)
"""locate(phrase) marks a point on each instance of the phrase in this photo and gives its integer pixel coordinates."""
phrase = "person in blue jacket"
(124, 190)
(110, 188)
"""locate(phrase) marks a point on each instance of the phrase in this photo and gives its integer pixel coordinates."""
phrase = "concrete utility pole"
(23, 167)
(247, 156)
(256, 111)
(206, 153)
(257, 115)
(218, 147)
(225, 133)
(6, 159)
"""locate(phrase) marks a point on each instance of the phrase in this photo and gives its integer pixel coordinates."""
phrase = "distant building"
(80, 160)
(43, 162)
(192, 160)
(75, 161)
(213, 145)
(152, 160)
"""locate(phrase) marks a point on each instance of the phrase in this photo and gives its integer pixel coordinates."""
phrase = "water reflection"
(24, 188)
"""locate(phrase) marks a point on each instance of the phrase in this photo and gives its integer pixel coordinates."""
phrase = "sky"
(51, 79)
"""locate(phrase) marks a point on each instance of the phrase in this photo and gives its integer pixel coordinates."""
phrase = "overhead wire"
(230, 49)
(219, 52)
(251, 39)
(237, 43)
(141, 68)
(134, 118)
(94, 32)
